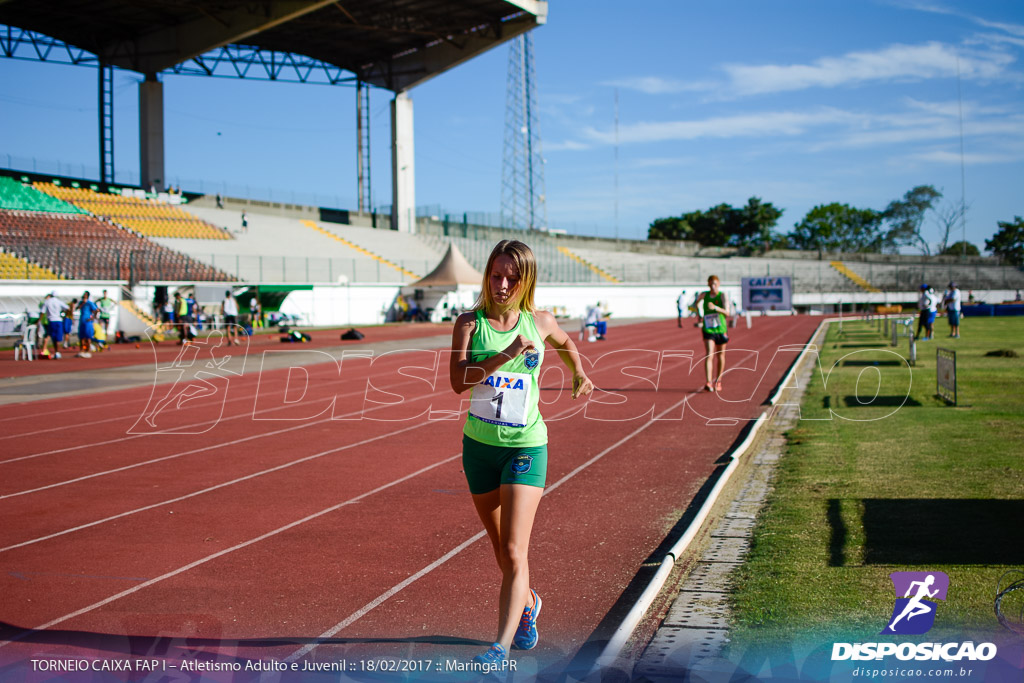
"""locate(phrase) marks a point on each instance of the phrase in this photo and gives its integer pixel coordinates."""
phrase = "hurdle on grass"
(945, 375)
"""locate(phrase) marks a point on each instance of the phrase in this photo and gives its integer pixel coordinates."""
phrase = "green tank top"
(714, 316)
(503, 408)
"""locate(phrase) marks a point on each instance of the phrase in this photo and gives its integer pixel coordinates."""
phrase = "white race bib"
(710, 320)
(501, 399)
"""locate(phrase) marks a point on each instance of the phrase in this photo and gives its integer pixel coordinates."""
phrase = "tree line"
(841, 227)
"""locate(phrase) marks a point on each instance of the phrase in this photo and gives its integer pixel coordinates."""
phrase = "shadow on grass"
(876, 402)
(871, 363)
(881, 402)
(861, 345)
(933, 531)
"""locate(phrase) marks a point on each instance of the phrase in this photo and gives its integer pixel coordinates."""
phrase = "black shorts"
(717, 337)
(230, 319)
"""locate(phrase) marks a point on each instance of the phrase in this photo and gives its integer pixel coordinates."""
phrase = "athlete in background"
(715, 309)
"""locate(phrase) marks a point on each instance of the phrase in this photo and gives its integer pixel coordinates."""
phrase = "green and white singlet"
(503, 408)
(714, 322)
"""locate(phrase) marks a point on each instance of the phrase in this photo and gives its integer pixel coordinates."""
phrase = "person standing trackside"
(52, 308)
(229, 309)
(106, 306)
(680, 308)
(951, 302)
(245, 222)
(926, 319)
(497, 352)
(255, 311)
(87, 314)
(713, 321)
(181, 317)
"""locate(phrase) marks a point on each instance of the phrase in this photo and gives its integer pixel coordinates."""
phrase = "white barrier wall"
(20, 295)
(334, 305)
(624, 301)
(337, 305)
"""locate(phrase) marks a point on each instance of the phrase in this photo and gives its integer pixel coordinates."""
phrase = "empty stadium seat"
(147, 217)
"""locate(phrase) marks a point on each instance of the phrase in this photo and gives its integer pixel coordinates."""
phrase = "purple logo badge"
(914, 612)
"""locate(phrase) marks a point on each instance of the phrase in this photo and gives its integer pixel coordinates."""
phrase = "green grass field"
(888, 486)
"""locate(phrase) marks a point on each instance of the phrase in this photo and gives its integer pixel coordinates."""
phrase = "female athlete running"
(497, 352)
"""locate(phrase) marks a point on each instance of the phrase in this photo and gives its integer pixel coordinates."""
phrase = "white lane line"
(89, 423)
(212, 446)
(188, 426)
(383, 597)
(258, 376)
(291, 525)
(215, 446)
(156, 460)
(215, 487)
(42, 410)
(196, 493)
(239, 546)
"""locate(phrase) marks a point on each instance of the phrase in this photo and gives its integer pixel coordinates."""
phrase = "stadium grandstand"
(347, 265)
(63, 228)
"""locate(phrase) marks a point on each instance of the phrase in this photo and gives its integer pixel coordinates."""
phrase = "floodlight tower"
(523, 199)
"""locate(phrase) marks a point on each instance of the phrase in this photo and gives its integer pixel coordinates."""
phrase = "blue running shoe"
(493, 660)
(526, 634)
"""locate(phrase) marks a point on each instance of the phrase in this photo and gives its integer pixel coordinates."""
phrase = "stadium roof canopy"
(392, 44)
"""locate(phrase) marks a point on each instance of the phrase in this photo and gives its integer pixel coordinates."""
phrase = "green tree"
(838, 227)
(1008, 242)
(961, 249)
(748, 227)
(906, 216)
(670, 229)
(757, 220)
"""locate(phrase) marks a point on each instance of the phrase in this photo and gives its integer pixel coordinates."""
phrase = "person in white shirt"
(927, 305)
(52, 307)
(680, 308)
(592, 323)
(951, 302)
(229, 309)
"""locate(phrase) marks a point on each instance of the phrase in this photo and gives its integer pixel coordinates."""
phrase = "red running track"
(120, 355)
(328, 519)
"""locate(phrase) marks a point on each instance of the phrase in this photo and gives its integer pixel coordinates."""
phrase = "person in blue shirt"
(87, 310)
(193, 310)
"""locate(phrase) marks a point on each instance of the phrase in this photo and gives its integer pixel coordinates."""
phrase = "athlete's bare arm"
(548, 328)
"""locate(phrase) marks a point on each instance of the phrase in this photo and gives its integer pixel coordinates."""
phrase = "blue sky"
(798, 102)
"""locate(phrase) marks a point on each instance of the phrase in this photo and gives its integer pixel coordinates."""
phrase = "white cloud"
(893, 63)
(662, 162)
(565, 145)
(941, 156)
(746, 125)
(655, 85)
(897, 129)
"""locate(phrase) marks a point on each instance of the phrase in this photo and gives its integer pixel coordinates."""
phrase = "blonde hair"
(525, 262)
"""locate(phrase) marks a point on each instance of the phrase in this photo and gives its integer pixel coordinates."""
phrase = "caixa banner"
(767, 293)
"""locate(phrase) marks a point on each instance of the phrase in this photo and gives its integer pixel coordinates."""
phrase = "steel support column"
(106, 110)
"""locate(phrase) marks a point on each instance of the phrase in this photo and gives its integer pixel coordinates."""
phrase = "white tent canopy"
(453, 284)
(453, 270)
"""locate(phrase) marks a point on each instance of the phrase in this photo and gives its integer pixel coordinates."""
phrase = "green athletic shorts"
(488, 467)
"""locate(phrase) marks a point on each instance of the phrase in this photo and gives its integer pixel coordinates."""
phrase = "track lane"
(627, 541)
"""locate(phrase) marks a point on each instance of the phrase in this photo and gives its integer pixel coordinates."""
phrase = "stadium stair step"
(365, 252)
(150, 321)
(854, 277)
(579, 259)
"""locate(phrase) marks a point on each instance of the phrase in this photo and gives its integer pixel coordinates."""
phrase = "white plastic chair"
(27, 344)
